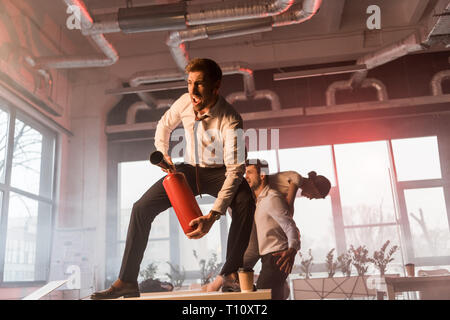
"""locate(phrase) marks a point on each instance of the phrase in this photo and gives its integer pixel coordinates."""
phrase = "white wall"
(85, 197)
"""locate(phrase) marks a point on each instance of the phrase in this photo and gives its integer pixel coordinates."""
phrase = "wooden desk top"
(417, 283)
(428, 279)
(264, 294)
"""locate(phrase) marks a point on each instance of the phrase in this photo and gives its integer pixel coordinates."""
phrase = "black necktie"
(197, 177)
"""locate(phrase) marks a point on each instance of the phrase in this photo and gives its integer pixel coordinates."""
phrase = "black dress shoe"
(127, 291)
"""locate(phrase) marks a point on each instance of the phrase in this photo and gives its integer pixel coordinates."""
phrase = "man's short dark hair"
(261, 165)
(209, 67)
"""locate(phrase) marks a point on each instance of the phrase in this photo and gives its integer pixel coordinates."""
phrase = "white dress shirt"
(214, 141)
(275, 228)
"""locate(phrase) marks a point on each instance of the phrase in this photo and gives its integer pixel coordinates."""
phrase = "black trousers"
(155, 200)
(271, 277)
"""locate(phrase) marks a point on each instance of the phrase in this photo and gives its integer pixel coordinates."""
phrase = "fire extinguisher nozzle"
(157, 158)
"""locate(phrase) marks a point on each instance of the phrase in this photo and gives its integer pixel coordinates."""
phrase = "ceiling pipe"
(235, 10)
(300, 14)
(141, 105)
(104, 45)
(404, 103)
(176, 39)
(439, 29)
(345, 85)
(243, 69)
(44, 73)
(259, 94)
(181, 15)
(436, 82)
(371, 61)
(387, 54)
(31, 90)
(160, 76)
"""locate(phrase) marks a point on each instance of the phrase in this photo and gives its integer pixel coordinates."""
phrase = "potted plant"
(149, 272)
(380, 259)
(306, 264)
(208, 270)
(176, 276)
(152, 284)
(331, 264)
(331, 287)
(345, 263)
(360, 259)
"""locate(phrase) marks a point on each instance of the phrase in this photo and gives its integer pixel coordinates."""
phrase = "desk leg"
(390, 292)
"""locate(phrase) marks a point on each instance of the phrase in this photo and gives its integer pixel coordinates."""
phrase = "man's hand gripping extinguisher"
(179, 193)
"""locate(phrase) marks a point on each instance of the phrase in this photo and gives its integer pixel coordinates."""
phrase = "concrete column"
(85, 191)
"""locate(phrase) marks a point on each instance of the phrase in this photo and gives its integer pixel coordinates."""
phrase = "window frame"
(45, 219)
(124, 148)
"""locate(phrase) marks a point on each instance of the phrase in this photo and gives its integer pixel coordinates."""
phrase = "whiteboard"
(73, 246)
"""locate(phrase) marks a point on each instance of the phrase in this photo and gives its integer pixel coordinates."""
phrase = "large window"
(27, 152)
(167, 241)
(380, 190)
(314, 218)
(368, 210)
(421, 191)
(135, 179)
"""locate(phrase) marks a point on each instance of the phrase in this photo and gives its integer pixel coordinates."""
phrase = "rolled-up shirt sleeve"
(278, 210)
(168, 122)
(294, 177)
(234, 160)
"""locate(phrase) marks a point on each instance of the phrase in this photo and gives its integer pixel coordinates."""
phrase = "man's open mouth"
(196, 100)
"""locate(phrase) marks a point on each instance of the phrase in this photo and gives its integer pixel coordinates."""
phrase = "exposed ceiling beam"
(309, 111)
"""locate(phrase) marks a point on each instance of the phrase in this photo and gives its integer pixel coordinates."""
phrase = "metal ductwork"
(258, 94)
(181, 15)
(176, 39)
(345, 85)
(147, 77)
(296, 15)
(104, 45)
(387, 54)
(440, 31)
(235, 10)
(37, 89)
(436, 82)
(244, 70)
(300, 14)
(142, 105)
(31, 61)
(391, 52)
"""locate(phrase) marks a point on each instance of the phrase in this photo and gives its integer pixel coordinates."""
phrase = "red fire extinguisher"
(179, 193)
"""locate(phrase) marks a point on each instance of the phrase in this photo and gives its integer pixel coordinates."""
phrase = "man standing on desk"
(214, 164)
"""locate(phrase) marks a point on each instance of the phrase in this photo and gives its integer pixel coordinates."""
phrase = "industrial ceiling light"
(148, 88)
(318, 72)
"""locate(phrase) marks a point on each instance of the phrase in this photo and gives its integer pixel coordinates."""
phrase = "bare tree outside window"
(22, 211)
